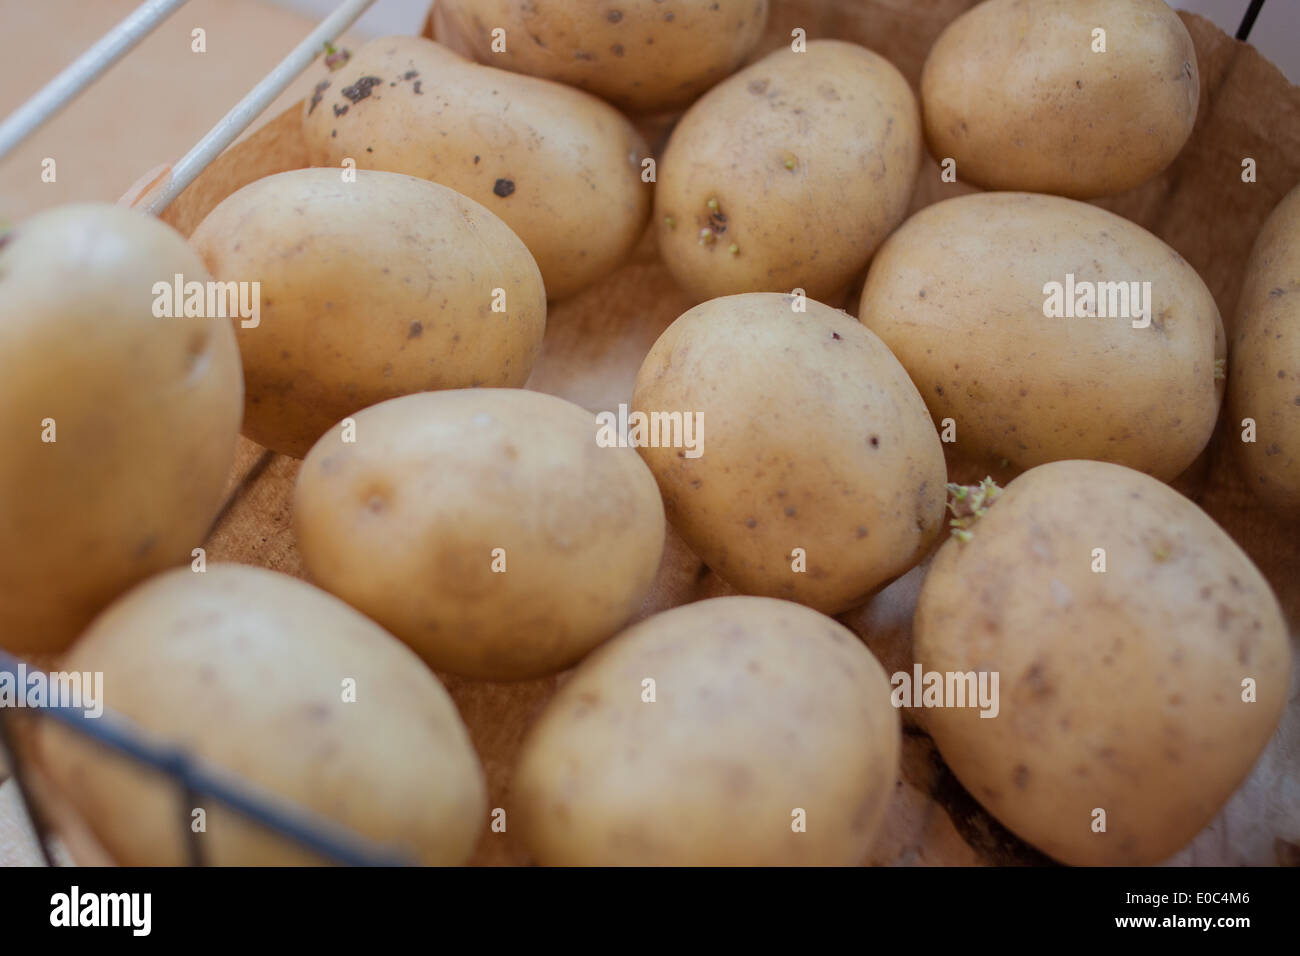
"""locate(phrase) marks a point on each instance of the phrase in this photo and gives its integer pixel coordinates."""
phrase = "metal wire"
(1248, 21)
(83, 71)
(116, 733)
(251, 106)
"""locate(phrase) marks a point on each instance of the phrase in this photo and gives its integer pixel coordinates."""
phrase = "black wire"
(1248, 21)
(321, 836)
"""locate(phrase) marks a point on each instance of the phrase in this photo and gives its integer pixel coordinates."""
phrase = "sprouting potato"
(1143, 661)
(559, 166)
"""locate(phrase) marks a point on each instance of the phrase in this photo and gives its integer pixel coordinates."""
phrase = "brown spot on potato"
(416, 330)
(504, 187)
(359, 90)
(1021, 777)
(317, 95)
(1037, 681)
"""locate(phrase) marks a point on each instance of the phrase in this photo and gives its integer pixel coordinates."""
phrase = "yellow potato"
(1121, 691)
(963, 295)
(1021, 95)
(789, 174)
(117, 423)
(484, 527)
(370, 289)
(820, 477)
(559, 166)
(250, 671)
(738, 731)
(1264, 383)
(643, 55)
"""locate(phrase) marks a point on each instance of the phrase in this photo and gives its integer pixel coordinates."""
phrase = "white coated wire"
(251, 106)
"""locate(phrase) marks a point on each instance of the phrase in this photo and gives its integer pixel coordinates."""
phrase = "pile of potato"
(451, 519)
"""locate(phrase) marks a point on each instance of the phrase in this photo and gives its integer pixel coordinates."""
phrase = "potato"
(1119, 691)
(789, 174)
(820, 477)
(961, 294)
(249, 671)
(1264, 383)
(642, 55)
(484, 527)
(1020, 95)
(559, 166)
(737, 731)
(370, 289)
(117, 424)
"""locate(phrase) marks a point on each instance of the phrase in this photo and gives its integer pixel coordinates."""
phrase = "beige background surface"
(148, 109)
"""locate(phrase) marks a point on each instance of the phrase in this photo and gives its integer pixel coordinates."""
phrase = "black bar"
(1248, 21)
(924, 910)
